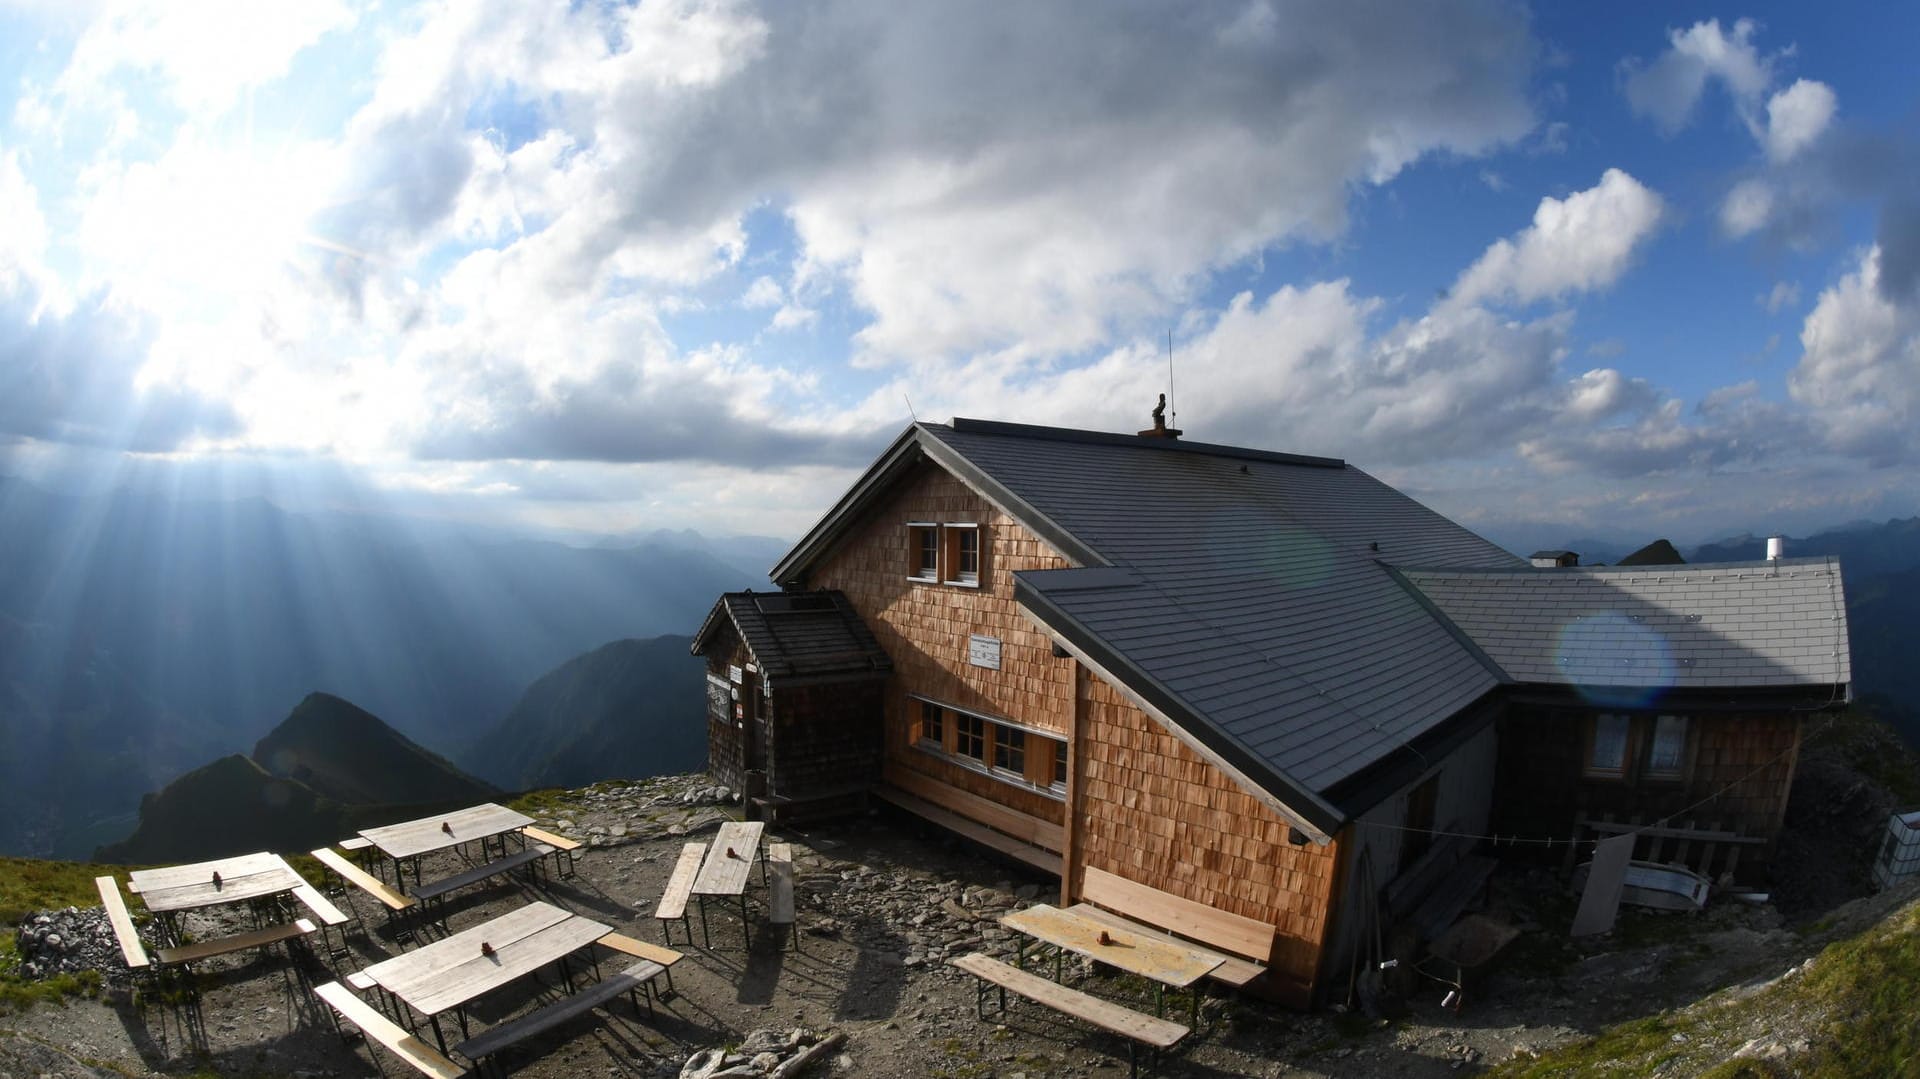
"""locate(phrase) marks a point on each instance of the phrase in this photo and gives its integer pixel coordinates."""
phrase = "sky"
(599, 267)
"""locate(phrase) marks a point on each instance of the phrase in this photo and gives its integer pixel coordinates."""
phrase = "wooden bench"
(640, 949)
(1433, 891)
(673, 901)
(379, 1028)
(1017, 835)
(635, 980)
(130, 947)
(562, 846)
(780, 888)
(240, 942)
(327, 914)
(394, 902)
(1245, 944)
(438, 889)
(1138, 1028)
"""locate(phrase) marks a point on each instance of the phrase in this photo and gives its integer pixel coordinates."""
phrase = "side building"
(1257, 697)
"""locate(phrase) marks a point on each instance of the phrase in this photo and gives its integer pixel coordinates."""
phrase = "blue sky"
(1564, 271)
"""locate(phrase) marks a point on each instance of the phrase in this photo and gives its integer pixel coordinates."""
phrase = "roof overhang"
(1302, 808)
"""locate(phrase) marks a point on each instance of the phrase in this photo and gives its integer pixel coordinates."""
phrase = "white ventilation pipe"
(1776, 548)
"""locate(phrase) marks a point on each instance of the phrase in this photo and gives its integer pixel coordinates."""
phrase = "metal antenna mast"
(1170, 405)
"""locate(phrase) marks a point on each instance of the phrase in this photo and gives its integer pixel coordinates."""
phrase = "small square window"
(1607, 752)
(970, 738)
(961, 557)
(1667, 757)
(1010, 749)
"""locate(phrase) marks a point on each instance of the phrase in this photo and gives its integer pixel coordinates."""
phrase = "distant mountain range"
(141, 635)
(327, 771)
(630, 709)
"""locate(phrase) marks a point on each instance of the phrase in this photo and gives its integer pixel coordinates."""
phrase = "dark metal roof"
(1749, 625)
(798, 636)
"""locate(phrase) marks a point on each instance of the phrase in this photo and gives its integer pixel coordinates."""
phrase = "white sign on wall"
(984, 651)
(735, 675)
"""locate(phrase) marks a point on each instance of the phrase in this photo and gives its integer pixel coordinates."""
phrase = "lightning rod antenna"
(1170, 404)
(910, 411)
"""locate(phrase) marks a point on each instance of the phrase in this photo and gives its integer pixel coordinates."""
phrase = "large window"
(1637, 748)
(999, 748)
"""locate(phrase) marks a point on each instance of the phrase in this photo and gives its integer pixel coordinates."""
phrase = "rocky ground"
(864, 990)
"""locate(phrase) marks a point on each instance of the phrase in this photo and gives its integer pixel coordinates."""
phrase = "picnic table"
(247, 878)
(1160, 960)
(407, 841)
(727, 868)
(450, 973)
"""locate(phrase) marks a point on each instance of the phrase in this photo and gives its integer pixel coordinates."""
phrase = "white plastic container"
(1900, 851)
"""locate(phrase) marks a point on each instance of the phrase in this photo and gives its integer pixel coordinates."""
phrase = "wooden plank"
(364, 880)
(174, 876)
(379, 1028)
(1224, 930)
(130, 947)
(641, 949)
(320, 906)
(541, 835)
(434, 889)
(401, 973)
(252, 876)
(1159, 958)
(427, 834)
(519, 1030)
(482, 973)
(258, 938)
(1034, 856)
(1232, 970)
(730, 859)
(1022, 826)
(355, 843)
(1714, 835)
(780, 888)
(673, 902)
(1105, 1014)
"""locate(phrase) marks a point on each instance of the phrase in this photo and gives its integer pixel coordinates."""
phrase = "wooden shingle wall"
(1740, 770)
(726, 741)
(1154, 812)
(924, 628)
(826, 738)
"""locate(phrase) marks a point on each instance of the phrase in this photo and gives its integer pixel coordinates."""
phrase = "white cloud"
(1859, 371)
(1746, 208)
(764, 292)
(1782, 295)
(1796, 117)
(1668, 89)
(1583, 242)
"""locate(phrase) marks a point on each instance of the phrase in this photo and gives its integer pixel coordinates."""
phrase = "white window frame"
(913, 551)
(951, 717)
(952, 574)
(1674, 724)
(1592, 767)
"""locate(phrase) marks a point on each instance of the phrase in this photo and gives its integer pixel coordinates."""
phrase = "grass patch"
(29, 884)
(18, 994)
(1865, 988)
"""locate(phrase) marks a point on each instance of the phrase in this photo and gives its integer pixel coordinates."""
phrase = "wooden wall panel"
(726, 740)
(1154, 812)
(924, 628)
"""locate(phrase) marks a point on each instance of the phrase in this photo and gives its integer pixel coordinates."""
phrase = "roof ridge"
(965, 425)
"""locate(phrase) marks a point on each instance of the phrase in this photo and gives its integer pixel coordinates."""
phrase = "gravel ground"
(881, 906)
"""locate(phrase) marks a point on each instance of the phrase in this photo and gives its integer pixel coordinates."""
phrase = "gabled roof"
(1242, 594)
(1747, 625)
(798, 636)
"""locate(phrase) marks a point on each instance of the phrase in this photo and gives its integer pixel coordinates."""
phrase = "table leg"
(1159, 1000)
(437, 1036)
(746, 931)
(704, 937)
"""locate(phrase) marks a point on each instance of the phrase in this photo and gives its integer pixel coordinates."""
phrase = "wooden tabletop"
(1157, 958)
(409, 838)
(183, 887)
(450, 972)
(726, 873)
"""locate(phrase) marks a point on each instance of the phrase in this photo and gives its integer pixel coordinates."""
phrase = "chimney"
(1160, 428)
(1776, 548)
(1553, 559)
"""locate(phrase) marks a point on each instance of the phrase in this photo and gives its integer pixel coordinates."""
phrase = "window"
(963, 554)
(1010, 749)
(1607, 751)
(923, 552)
(971, 736)
(1667, 756)
(932, 724)
(1034, 760)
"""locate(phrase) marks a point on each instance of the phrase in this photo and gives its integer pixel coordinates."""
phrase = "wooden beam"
(1021, 826)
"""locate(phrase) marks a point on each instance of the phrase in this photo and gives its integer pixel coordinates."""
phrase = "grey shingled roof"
(1716, 625)
(1242, 591)
(808, 636)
